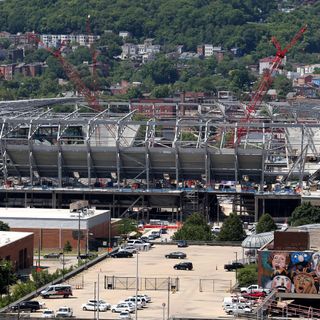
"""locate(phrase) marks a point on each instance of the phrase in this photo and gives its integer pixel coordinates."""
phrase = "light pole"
(137, 285)
(87, 244)
(78, 255)
(163, 310)
(236, 265)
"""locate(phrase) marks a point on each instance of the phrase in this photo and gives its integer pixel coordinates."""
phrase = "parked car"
(101, 303)
(121, 254)
(233, 266)
(48, 314)
(176, 255)
(131, 249)
(88, 255)
(92, 305)
(52, 255)
(125, 315)
(157, 234)
(57, 290)
(135, 299)
(120, 307)
(145, 296)
(182, 243)
(238, 309)
(183, 266)
(139, 244)
(64, 312)
(131, 303)
(254, 295)
(254, 288)
(163, 231)
(152, 237)
(27, 306)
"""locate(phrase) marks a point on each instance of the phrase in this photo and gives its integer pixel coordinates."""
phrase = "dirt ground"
(188, 301)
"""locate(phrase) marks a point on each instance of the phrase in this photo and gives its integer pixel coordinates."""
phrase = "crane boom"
(266, 80)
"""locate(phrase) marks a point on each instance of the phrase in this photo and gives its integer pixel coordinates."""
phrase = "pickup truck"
(254, 288)
(233, 266)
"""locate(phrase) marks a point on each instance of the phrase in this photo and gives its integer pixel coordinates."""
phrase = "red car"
(254, 295)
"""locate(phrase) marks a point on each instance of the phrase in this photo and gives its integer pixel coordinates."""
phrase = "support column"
(256, 209)
(54, 200)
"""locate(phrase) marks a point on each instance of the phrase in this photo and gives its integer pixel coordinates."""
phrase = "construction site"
(190, 162)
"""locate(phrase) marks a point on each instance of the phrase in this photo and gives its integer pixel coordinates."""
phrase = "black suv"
(183, 266)
(176, 255)
(52, 255)
(233, 266)
(121, 254)
(27, 305)
(182, 243)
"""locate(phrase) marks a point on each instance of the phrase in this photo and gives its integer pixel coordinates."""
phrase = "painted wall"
(290, 272)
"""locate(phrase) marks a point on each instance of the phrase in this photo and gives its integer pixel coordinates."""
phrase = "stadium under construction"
(151, 159)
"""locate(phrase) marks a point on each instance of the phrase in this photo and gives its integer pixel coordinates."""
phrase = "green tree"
(7, 276)
(305, 214)
(248, 275)
(195, 228)
(126, 226)
(4, 226)
(265, 224)
(67, 247)
(283, 85)
(232, 229)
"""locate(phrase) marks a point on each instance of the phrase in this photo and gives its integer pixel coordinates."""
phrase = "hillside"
(245, 24)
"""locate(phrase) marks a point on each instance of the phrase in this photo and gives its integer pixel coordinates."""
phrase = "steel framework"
(189, 144)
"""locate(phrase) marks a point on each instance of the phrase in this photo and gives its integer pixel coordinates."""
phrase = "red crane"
(72, 74)
(267, 78)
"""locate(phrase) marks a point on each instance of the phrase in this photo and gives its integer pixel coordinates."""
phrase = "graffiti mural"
(290, 272)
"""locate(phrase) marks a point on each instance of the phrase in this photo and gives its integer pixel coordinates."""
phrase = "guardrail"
(67, 276)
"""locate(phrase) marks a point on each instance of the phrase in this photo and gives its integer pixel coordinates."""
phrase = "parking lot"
(188, 301)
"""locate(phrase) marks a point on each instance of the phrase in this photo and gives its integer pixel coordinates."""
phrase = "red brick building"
(52, 228)
(17, 247)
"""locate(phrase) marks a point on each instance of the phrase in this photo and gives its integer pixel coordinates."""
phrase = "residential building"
(307, 69)
(17, 247)
(265, 64)
(124, 34)
(56, 40)
(208, 50)
(15, 55)
(7, 71)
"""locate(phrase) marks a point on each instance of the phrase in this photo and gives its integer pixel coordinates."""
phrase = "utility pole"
(78, 255)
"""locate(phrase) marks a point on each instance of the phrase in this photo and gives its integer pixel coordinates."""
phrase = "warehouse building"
(52, 228)
(17, 247)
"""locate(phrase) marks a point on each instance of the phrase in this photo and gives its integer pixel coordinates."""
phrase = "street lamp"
(163, 310)
(137, 285)
(78, 255)
(236, 253)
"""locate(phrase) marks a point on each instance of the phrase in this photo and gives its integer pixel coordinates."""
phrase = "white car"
(125, 315)
(145, 296)
(47, 314)
(93, 306)
(131, 303)
(123, 307)
(138, 244)
(141, 301)
(131, 249)
(64, 312)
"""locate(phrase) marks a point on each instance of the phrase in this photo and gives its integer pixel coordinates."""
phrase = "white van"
(57, 290)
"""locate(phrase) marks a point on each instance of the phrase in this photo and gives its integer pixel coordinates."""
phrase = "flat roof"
(39, 213)
(6, 237)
